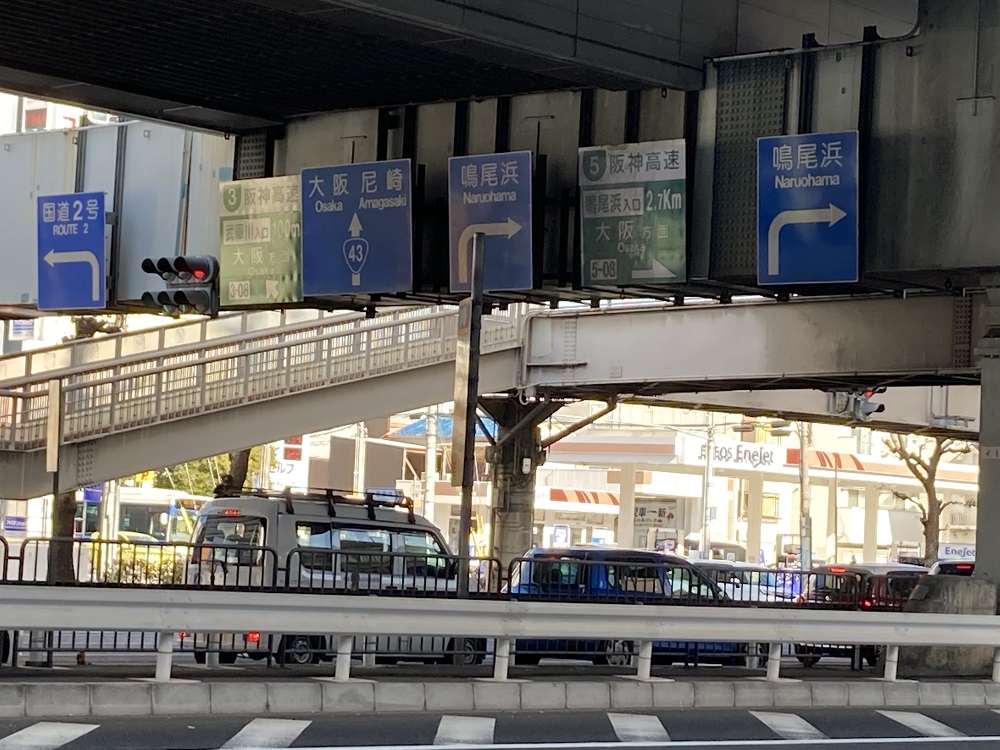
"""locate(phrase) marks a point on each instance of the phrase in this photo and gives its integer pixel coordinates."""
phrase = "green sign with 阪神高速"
(632, 214)
(260, 251)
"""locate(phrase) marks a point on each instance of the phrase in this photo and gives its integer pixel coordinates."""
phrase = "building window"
(849, 499)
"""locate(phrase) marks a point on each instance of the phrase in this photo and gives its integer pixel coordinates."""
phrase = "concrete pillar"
(515, 459)
(755, 509)
(988, 509)
(626, 507)
(869, 551)
(831, 521)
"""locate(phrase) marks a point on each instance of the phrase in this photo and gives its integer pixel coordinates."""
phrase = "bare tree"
(923, 456)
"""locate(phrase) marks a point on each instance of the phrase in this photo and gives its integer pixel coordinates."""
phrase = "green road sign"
(260, 234)
(632, 214)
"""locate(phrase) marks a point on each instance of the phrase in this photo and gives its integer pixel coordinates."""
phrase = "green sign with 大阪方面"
(260, 250)
(633, 208)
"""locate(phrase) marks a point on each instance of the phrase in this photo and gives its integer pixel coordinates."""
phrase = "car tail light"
(182, 635)
(964, 566)
(253, 637)
(867, 604)
(838, 571)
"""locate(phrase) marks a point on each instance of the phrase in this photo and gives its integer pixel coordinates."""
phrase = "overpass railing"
(139, 391)
(93, 352)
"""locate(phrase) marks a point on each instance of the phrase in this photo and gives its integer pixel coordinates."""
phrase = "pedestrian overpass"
(161, 397)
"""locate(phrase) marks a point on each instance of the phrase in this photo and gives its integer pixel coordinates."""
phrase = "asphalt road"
(928, 729)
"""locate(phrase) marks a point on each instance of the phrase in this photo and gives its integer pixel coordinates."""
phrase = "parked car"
(871, 587)
(746, 582)
(953, 568)
(617, 576)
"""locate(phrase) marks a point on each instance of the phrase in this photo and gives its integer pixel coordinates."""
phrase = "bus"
(168, 515)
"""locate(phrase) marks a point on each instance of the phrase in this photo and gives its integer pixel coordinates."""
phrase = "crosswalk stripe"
(45, 735)
(788, 726)
(925, 725)
(268, 733)
(638, 728)
(465, 730)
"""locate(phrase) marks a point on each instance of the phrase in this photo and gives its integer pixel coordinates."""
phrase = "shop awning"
(582, 497)
(418, 428)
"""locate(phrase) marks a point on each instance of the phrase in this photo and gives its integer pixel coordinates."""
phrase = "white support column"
(645, 665)
(774, 662)
(891, 662)
(501, 659)
(164, 655)
(626, 507)
(345, 643)
(869, 552)
(831, 521)
(755, 509)
(988, 508)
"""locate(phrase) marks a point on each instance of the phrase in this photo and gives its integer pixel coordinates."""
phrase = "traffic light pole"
(468, 395)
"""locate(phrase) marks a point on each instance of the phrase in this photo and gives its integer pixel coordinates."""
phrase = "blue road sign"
(491, 193)
(807, 209)
(357, 229)
(71, 268)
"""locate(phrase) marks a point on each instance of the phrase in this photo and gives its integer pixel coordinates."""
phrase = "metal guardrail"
(140, 391)
(169, 612)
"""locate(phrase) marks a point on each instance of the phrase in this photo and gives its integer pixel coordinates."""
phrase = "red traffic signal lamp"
(192, 285)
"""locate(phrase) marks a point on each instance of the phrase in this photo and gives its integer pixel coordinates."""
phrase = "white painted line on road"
(925, 725)
(638, 728)
(465, 730)
(788, 726)
(45, 735)
(268, 733)
(845, 743)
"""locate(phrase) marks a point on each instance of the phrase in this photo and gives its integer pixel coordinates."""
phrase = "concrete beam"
(951, 411)
(824, 344)
(23, 475)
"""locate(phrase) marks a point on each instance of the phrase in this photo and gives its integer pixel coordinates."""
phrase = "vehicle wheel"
(616, 653)
(808, 660)
(4, 647)
(526, 660)
(299, 650)
(872, 655)
(763, 654)
(199, 657)
(227, 657)
(470, 652)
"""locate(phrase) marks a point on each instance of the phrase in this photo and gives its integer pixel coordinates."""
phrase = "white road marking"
(465, 730)
(46, 735)
(848, 744)
(788, 726)
(268, 733)
(638, 728)
(925, 725)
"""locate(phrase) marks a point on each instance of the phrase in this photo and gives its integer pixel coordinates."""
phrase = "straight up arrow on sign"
(830, 215)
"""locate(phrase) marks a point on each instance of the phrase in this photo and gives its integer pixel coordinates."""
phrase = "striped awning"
(585, 497)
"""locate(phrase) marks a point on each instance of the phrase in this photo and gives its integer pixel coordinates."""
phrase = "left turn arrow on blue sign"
(72, 270)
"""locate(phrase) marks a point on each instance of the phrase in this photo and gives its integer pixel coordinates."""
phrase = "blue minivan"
(603, 575)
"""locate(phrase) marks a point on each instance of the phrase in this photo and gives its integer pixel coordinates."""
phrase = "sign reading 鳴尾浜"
(260, 252)
(633, 214)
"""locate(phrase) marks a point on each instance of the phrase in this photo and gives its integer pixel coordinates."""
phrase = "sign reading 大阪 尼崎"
(632, 214)
(260, 253)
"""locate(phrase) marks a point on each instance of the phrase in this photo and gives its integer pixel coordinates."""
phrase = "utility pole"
(805, 498)
(706, 546)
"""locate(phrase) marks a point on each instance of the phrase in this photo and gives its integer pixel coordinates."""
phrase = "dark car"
(615, 576)
(953, 568)
(870, 587)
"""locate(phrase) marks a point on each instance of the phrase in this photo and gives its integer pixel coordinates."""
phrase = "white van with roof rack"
(326, 543)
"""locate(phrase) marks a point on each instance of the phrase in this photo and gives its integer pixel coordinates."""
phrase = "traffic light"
(192, 285)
